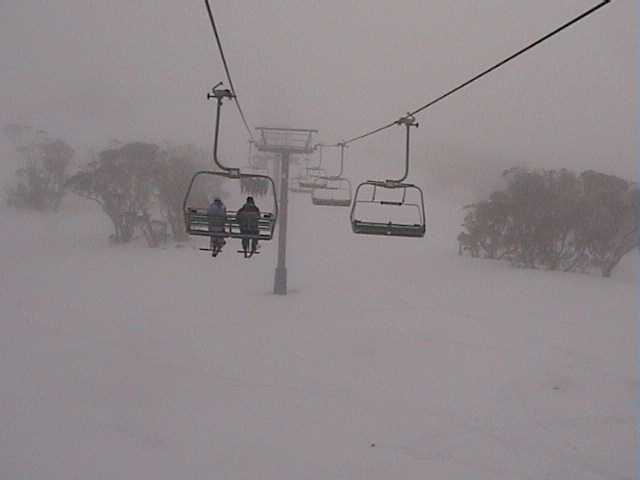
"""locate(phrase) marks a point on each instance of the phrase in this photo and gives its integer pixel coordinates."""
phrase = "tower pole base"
(280, 282)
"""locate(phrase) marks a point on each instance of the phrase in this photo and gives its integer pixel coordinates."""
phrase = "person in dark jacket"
(217, 214)
(248, 217)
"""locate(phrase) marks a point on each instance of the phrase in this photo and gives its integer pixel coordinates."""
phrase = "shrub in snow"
(41, 178)
(177, 166)
(555, 219)
(141, 186)
(121, 180)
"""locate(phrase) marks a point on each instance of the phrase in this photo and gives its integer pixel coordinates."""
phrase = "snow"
(390, 358)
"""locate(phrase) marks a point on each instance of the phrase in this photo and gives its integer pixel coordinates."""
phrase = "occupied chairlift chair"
(337, 191)
(197, 221)
(390, 228)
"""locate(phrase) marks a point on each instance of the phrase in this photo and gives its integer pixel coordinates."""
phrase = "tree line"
(139, 186)
(550, 219)
(556, 220)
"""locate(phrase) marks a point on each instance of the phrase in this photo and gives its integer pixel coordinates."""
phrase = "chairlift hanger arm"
(342, 147)
(408, 121)
(220, 94)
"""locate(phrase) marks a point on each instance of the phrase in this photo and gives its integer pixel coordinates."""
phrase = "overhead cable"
(226, 68)
(485, 72)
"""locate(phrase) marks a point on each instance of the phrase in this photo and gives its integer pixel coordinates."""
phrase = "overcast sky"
(90, 71)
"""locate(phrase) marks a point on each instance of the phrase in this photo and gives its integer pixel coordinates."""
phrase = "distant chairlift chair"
(296, 187)
(336, 192)
(314, 176)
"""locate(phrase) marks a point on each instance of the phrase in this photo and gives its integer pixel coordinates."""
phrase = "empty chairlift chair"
(404, 217)
(390, 207)
(295, 184)
(336, 192)
(314, 176)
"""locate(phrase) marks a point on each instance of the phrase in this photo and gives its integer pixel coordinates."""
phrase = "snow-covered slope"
(390, 358)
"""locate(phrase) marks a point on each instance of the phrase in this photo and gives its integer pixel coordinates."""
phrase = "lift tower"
(284, 142)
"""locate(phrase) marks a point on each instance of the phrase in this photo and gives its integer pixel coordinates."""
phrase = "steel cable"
(485, 72)
(226, 68)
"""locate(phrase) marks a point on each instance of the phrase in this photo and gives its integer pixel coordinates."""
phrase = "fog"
(389, 357)
(92, 71)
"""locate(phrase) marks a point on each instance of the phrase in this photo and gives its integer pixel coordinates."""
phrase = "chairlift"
(197, 221)
(336, 192)
(314, 176)
(195, 204)
(295, 184)
(257, 165)
(405, 200)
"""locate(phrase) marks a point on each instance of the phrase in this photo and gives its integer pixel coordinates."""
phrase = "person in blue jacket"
(217, 213)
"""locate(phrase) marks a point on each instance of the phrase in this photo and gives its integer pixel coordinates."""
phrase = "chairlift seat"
(197, 223)
(331, 202)
(390, 229)
(312, 183)
(298, 189)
